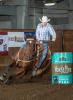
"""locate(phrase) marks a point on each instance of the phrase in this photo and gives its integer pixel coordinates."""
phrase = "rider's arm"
(52, 32)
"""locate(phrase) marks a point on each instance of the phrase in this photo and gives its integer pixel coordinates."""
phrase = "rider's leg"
(43, 55)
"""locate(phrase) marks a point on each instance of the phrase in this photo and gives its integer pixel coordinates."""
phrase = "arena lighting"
(50, 4)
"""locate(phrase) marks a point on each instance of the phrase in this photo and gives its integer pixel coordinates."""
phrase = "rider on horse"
(43, 32)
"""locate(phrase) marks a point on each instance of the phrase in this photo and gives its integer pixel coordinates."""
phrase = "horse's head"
(30, 40)
(28, 52)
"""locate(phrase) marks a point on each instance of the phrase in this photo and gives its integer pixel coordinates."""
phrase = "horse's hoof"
(2, 78)
(7, 82)
(33, 73)
(38, 72)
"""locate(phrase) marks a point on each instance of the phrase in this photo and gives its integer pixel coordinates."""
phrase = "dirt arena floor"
(39, 88)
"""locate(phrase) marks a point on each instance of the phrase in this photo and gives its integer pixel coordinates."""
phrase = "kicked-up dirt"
(38, 88)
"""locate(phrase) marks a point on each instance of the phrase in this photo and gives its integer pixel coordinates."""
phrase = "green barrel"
(62, 67)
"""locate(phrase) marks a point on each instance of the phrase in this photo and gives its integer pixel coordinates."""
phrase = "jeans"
(43, 55)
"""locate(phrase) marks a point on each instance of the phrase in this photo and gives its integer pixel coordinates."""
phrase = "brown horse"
(25, 60)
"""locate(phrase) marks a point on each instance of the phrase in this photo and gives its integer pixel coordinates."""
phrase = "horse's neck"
(27, 52)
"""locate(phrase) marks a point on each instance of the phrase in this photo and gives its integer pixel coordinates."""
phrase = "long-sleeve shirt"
(43, 33)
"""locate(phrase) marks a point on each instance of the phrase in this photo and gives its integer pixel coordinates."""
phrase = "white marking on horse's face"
(30, 42)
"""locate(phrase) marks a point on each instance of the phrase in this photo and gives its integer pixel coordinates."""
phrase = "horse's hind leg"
(20, 72)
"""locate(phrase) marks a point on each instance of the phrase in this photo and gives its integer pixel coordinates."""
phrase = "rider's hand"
(53, 39)
(37, 42)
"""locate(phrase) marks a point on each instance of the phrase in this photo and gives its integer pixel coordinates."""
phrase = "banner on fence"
(3, 43)
(16, 39)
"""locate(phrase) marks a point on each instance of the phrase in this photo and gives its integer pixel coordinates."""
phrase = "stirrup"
(36, 68)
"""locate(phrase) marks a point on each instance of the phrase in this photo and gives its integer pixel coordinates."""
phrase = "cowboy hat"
(44, 19)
